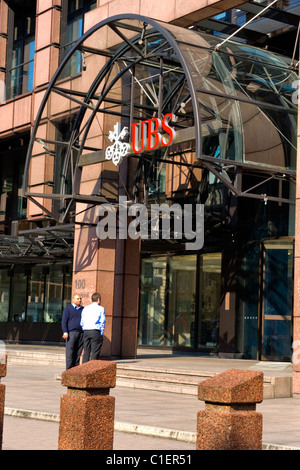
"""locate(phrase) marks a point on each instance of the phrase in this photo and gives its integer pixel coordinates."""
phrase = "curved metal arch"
(159, 28)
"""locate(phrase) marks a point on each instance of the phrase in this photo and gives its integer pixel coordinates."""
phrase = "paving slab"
(35, 388)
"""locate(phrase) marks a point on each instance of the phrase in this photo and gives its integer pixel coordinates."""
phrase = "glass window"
(18, 297)
(182, 298)
(72, 29)
(21, 201)
(221, 126)
(209, 302)
(22, 47)
(275, 146)
(12, 204)
(248, 285)
(167, 301)
(155, 175)
(4, 295)
(54, 295)
(6, 194)
(63, 131)
(152, 301)
(67, 290)
(277, 300)
(231, 128)
(35, 303)
(36, 296)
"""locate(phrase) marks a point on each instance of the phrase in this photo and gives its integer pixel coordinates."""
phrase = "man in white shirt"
(93, 324)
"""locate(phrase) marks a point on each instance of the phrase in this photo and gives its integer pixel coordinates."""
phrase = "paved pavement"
(144, 419)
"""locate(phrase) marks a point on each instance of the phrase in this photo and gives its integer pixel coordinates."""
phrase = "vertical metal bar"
(160, 88)
(167, 292)
(197, 304)
(131, 111)
(261, 302)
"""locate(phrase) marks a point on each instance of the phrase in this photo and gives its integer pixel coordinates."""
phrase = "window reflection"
(22, 46)
(262, 85)
(209, 304)
(36, 296)
(72, 29)
(182, 297)
(168, 300)
(152, 301)
(18, 297)
(12, 204)
(54, 296)
(4, 295)
(222, 132)
(277, 300)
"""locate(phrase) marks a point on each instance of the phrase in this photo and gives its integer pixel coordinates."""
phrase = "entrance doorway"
(180, 301)
(167, 301)
(277, 300)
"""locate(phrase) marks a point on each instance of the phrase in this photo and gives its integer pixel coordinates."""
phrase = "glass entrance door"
(209, 300)
(167, 301)
(276, 318)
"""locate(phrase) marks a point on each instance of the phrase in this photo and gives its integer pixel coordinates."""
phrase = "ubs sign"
(146, 136)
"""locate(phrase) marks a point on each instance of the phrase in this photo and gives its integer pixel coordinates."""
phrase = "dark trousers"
(74, 346)
(92, 342)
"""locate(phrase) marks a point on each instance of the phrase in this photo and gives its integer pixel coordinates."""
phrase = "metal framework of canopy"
(269, 19)
(130, 68)
(150, 68)
(44, 245)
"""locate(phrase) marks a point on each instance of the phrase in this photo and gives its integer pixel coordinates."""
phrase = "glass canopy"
(234, 109)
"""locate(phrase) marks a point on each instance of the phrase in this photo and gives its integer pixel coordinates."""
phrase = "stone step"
(36, 357)
(160, 379)
(149, 378)
(186, 381)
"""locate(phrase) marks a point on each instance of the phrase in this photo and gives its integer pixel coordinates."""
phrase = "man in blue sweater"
(72, 331)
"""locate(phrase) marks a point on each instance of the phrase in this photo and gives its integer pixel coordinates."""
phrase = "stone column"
(229, 421)
(87, 410)
(47, 41)
(3, 361)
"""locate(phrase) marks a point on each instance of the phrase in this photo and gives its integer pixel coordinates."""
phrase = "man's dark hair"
(95, 297)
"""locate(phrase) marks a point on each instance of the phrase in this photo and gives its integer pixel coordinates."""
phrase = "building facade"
(83, 86)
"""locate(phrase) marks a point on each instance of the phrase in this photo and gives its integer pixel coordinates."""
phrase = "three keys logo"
(119, 149)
